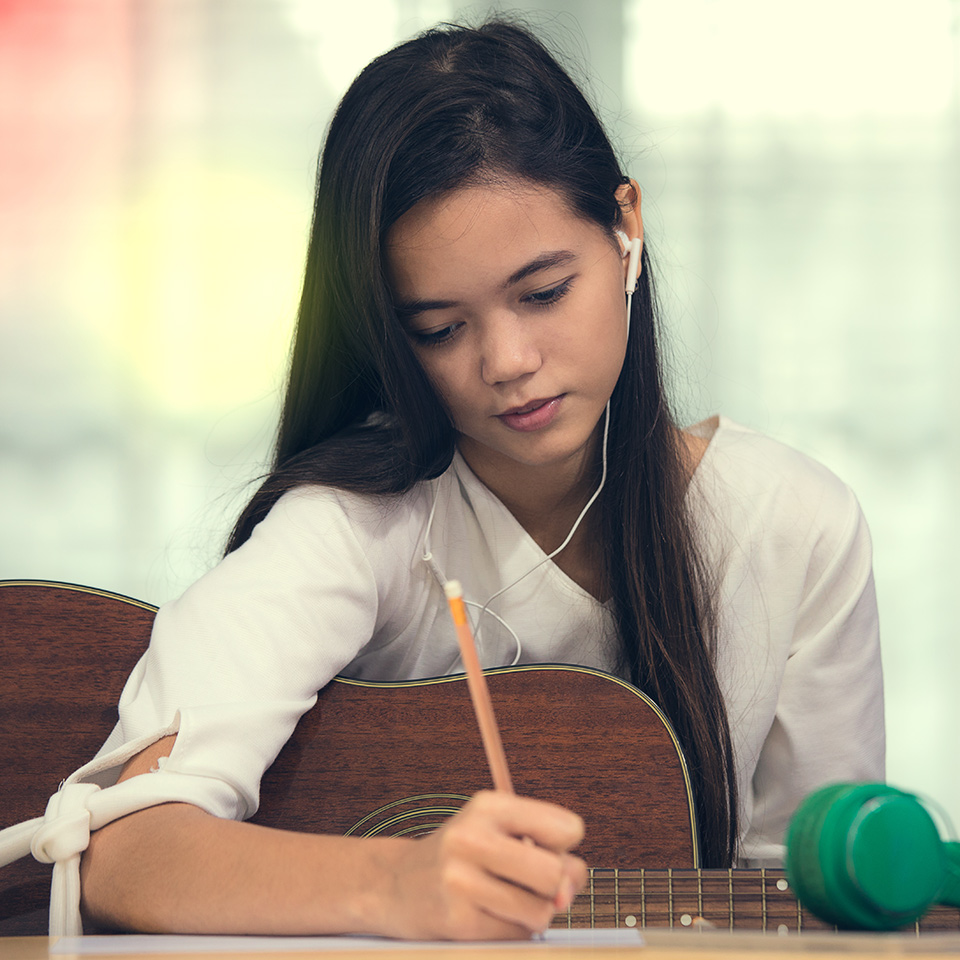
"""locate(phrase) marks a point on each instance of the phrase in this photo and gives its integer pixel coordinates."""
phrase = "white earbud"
(631, 249)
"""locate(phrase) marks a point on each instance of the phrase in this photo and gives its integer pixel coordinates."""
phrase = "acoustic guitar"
(394, 759)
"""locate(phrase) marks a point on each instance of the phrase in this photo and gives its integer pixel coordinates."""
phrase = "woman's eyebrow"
(407, 309)
(552, 258)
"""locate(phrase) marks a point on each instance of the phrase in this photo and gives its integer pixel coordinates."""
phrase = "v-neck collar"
(527, 554)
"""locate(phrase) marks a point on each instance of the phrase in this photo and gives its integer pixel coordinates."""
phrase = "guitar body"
(396, 759)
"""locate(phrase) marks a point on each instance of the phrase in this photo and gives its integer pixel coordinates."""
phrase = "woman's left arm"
(828, 724)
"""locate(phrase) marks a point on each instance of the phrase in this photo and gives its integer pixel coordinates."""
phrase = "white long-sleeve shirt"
(334, 583)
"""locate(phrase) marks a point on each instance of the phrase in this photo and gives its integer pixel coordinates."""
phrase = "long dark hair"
(459, 105)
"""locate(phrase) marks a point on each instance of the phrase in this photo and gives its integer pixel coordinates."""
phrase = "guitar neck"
(726, 899)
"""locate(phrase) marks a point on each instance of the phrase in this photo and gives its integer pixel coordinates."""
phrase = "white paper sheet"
(143, 943)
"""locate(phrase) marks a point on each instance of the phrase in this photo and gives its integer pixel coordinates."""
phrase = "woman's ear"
(630, 232)
(628, 197)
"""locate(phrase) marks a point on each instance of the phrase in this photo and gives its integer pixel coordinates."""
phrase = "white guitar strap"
(63, 832)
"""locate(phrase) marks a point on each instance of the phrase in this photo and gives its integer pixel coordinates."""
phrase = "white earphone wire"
(552, 554)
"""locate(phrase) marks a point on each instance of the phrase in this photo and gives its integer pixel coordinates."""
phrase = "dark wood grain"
(576, 737)
(65, 653)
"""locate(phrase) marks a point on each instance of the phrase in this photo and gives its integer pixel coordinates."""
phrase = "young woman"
(473, 395)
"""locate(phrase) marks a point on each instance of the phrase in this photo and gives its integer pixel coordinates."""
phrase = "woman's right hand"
(500, 869)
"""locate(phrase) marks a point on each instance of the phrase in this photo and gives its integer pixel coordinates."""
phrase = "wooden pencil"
(477, 685)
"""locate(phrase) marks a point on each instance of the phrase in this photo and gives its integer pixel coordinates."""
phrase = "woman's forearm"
(175, 868)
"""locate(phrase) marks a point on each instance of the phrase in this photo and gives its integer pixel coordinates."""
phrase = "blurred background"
(801, 173)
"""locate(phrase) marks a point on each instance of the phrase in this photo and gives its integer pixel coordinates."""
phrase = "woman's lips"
(532, 416)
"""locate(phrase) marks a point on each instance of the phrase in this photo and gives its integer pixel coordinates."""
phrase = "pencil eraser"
(453, 589)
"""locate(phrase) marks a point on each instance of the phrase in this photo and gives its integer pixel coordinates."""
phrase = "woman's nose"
(508, 351)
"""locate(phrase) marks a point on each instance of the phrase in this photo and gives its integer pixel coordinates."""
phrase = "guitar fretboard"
(727, 899)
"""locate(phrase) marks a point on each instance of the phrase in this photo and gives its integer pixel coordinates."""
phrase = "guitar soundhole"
(410, 816)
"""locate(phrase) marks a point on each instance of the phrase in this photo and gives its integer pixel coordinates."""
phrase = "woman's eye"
(544, 298)
(433, 338)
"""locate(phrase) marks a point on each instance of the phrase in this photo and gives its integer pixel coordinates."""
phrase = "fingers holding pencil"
(495, 833)
(480, 878)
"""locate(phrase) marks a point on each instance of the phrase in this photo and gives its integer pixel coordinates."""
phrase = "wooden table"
(659, 945)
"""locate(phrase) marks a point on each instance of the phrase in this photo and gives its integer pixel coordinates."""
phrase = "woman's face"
(515, 307)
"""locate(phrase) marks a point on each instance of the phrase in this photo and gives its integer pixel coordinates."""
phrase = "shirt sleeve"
(828, 724)
(241, 655)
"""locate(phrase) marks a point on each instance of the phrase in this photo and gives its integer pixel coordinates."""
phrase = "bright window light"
(832, 58)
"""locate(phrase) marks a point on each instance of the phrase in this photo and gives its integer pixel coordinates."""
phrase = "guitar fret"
(643, 898)
(763, 897)
(616, 897)
(730, 889)
(670, 895)
(593, 911)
